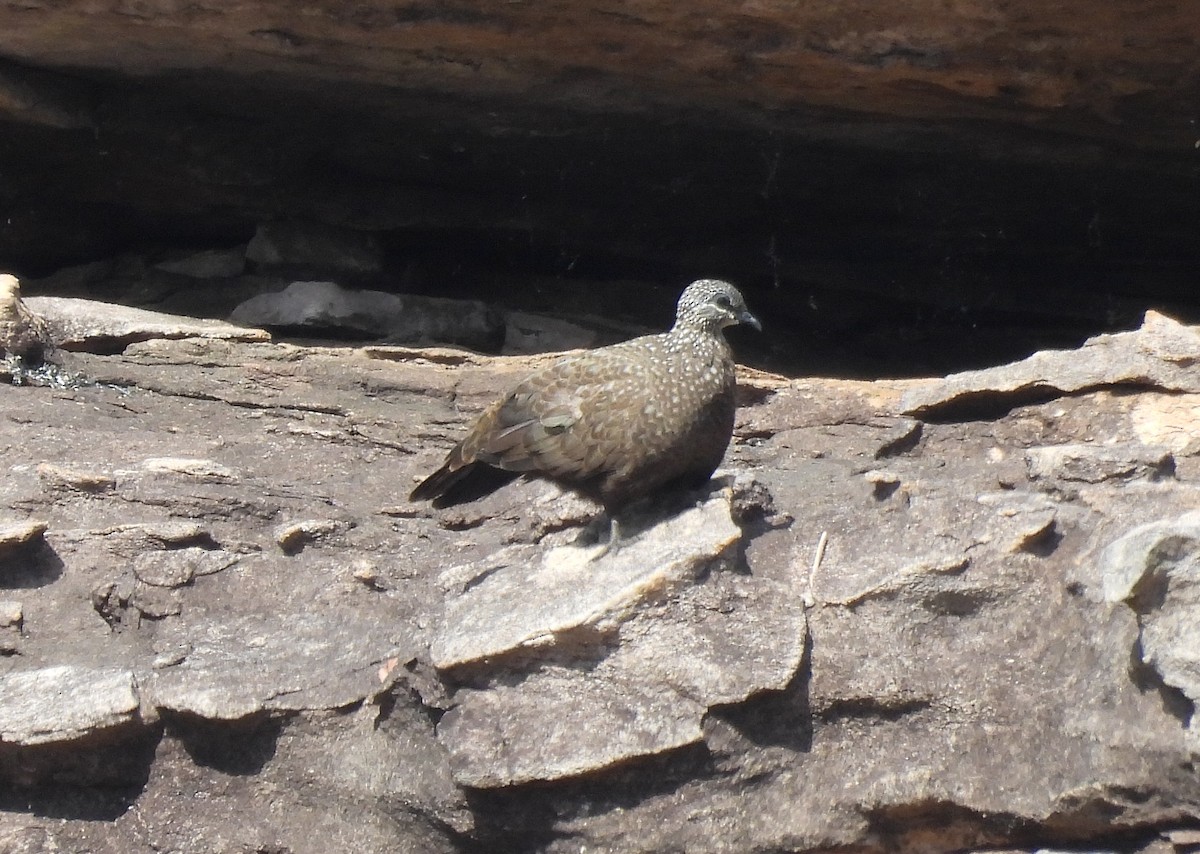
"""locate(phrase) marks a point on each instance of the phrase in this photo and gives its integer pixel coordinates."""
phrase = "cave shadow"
(30, 566)
(239, 748)
(94, 779)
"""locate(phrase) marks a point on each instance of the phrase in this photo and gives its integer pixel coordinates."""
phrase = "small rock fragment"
(293, 537)
(366, 572)
(64, 703)
(57, 478)
(175, 533)
(171, 656)
(177, 567)
(156, 603)
(11, 615)
(1037, 531)
(12, 622)
(752, 501)
(111, 600)
(163, 569)
(902, 434)
(1155, 570)
(1183, 838)
(885, 483)
(206, 471)
(20, 536)
(1056, 465)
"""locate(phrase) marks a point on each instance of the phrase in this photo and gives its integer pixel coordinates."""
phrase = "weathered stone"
(644, 692)
(63, 703)
(625, 654)
(532, 333)
(244, 665)
(510, 735)
(967, 686)
(91, 326)
(56, 478)
(326, 308)
(315, 246)
(294, 536)
(1161, 354)
(210, 264)
(915, 63)
(206, 471)
(1168, 420)
(11, 615)
(170, 533)
(155, 603)
(20, 536)
(110, 599)
(1155, 568)
(177, 567)
(28, 840)
(497, 608)
(1061, 465)
(12, 621)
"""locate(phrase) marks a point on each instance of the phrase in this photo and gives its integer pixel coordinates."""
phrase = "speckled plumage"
(614, 424)
(22, 333)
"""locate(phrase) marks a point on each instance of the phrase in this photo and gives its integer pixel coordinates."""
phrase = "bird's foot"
(611, 545)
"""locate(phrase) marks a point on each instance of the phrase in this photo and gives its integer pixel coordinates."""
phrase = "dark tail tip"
(446, 487)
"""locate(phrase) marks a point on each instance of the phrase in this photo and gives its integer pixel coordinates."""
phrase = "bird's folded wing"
(552, 434)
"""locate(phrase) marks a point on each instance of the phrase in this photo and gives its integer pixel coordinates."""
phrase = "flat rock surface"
(374, 314)
(1161, 354)
(874, 632)
(64, 703)
(499, 608)
(82, 324)
(615, 659)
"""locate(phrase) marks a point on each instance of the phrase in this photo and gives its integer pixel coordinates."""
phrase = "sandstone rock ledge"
(225, 630)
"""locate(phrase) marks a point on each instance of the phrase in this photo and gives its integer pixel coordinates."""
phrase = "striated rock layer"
(225, 629)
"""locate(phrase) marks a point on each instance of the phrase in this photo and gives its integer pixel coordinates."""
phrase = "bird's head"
(713, 304)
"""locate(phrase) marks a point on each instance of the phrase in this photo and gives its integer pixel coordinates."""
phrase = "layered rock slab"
(1161, 354)
(587, 665)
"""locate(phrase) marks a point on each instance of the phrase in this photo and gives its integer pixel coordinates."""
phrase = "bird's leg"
(614, 540)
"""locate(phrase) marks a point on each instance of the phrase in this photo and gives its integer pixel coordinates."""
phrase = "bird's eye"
(722, 301)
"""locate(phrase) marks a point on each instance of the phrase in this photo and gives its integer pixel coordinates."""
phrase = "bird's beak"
(750, 320)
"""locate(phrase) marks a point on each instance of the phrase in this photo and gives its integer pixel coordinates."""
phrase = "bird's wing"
(558, 423)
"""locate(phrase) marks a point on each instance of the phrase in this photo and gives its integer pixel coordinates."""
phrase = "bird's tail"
(457, 485)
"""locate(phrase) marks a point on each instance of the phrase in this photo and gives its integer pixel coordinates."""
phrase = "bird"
(23, 335)
(614, 424)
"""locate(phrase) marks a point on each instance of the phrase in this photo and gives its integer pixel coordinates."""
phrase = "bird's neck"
(691, 337)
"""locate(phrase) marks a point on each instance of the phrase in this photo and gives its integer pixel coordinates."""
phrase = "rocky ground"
(930, 615)
(924, 615)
